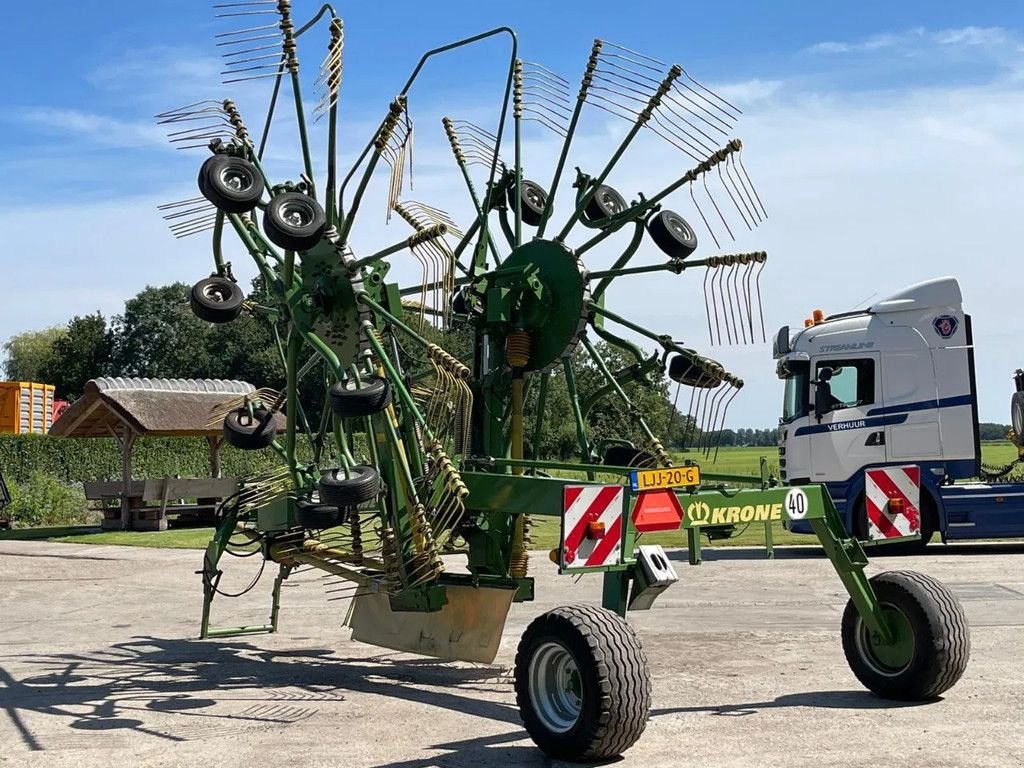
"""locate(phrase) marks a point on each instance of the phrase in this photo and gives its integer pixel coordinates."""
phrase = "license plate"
(665, 477)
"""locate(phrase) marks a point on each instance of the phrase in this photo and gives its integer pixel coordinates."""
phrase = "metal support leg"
(615, 591)
(693, 545)
(849, 560)
(769, 543)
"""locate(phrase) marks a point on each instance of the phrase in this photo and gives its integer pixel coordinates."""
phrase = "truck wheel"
(932, 642)
(582, 684)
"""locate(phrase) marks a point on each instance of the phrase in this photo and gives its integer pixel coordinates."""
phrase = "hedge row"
(80, 460)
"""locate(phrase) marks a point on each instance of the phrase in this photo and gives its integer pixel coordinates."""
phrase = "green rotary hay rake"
(412, 484)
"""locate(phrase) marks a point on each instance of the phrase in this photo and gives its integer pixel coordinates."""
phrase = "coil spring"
(357, 532)
(517, 349)
(661, 454)
(453, 139)
(387, 130)
(241, 132)
(389, 554)
(517, 90)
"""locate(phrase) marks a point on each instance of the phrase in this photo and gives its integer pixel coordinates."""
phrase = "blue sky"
(883, 136)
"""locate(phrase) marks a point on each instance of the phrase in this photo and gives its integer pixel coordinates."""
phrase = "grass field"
(732, 461)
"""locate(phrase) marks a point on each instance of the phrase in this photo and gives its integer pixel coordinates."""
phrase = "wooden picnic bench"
(157, 504)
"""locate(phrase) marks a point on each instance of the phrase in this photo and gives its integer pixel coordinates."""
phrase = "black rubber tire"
(232, 184)
(1017, 417)
(614, 680)
(345, 492)
(294, 221)
(672, 234)
(216, 300)
(625, 456)
(316, 515)
(942, 641)
(534, 200)
(928, 519)
(249, 433)
(372, 396)
(605, 202)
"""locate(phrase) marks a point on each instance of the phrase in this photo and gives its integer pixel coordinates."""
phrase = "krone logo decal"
(699, 513)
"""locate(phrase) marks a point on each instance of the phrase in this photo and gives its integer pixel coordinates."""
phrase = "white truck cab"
(892, 384)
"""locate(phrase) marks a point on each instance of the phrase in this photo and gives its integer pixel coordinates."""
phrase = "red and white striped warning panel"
(591, 526)
(893, 500)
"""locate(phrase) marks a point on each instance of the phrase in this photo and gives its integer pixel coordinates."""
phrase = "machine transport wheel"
(627, 456)
(314, 514)
(362, 485)
(582, 683)
(216, 300)
(672, 234)
(249, 432)
(294, 221)
(534, 199)
(931, 646)
(232, 184)
(350, 399)
(604, 203)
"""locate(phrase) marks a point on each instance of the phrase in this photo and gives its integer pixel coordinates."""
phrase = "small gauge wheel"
(533, 198)
(232, 184)
(672, 234)
(216, 300)
(294, 221)
(604, 203)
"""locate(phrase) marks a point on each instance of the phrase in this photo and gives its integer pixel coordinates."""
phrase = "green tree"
(159, 337)
(81, 354)
(29, 353)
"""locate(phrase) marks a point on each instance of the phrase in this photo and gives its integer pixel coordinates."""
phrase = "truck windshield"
(794, 402)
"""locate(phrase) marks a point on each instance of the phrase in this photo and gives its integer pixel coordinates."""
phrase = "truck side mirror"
(822, 393)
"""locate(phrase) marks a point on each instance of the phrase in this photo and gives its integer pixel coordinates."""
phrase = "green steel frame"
(518, 302)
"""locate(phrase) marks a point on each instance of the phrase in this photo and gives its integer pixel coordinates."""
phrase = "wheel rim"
(217, 293)
(556, 687)
(297, 213)
(535, 196)
(887, 659)
(236, 178)
(681, 230)
(611, 203)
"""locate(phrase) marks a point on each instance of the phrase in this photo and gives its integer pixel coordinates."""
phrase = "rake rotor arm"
(627, 254)
(617, 387)
(639, 123)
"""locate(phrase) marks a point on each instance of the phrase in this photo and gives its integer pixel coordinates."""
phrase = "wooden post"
(214, 441)
(127, 440)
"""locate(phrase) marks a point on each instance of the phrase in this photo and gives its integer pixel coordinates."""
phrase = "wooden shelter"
(128, 409)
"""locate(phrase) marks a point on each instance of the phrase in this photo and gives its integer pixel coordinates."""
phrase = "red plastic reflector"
(595, 530)
(657, 511)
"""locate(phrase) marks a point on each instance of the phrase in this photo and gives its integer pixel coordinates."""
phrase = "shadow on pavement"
(816, 699)
(174, 689)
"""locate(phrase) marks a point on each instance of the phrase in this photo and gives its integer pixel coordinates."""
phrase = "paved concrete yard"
(98, 667)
